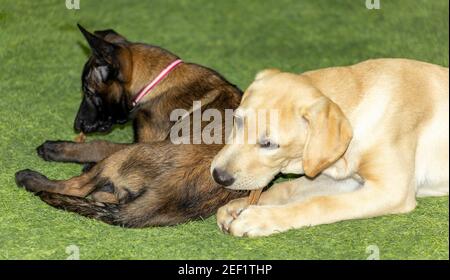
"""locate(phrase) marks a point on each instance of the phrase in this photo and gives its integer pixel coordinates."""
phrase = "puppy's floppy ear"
(266, 73)
(104, 51)
(110, 36)
(329, 134)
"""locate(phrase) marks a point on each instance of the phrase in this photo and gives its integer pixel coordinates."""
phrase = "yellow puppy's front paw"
(256, 221)
(227, 213)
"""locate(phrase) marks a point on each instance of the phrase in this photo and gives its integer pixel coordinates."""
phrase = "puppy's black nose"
(77, 125)
(222, 177)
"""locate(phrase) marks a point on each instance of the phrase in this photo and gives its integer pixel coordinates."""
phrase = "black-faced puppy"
(137, 185)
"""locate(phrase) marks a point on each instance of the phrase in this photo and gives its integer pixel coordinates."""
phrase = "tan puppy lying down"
(369, 138)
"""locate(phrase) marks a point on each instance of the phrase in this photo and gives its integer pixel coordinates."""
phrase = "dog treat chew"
(254, 196)
(80, 138)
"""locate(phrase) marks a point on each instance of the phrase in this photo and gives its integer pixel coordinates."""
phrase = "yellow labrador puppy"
(369, 138)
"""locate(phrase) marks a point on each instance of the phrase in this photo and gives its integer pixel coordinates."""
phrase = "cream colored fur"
(369, 137)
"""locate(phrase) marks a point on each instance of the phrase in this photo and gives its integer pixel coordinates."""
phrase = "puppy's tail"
(105, 212)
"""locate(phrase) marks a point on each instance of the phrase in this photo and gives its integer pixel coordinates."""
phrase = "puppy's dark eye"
(89, 94)
(96, 100)
(267, 144)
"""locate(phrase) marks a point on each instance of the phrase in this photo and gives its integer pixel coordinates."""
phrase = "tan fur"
(370, 137)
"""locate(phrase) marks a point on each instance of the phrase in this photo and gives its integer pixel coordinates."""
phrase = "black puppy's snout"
(77, 125)
(81, 125)
(222, 177)
(87, 117)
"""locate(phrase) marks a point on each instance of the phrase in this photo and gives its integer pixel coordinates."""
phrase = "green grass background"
(40, 66)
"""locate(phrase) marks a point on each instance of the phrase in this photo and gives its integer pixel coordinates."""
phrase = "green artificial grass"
(41, 58)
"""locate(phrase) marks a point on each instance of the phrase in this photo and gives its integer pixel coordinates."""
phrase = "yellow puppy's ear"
(266, 73)
(329, 135)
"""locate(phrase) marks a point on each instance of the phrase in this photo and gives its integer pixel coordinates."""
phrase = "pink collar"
(156, 81)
